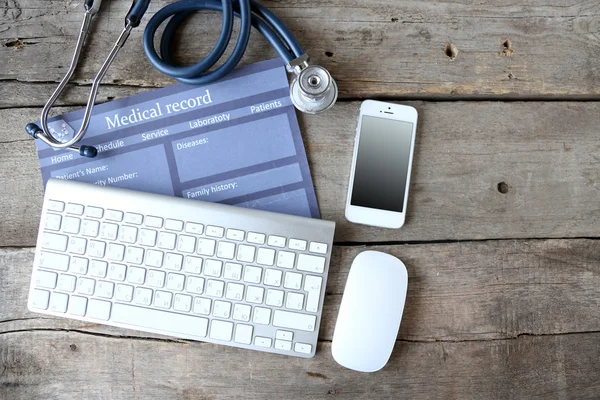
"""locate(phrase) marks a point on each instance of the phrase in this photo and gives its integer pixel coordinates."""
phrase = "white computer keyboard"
(185, 268)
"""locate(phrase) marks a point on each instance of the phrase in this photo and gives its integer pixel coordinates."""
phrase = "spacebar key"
(163, 322)
(286, 319)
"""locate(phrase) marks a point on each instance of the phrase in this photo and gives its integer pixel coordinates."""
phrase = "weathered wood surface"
(548, 154)
(481, 318)
(378, 48)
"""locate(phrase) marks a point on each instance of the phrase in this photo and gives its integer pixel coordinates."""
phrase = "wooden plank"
(411, 49)
(547, 154)
(67, 365)
(458, 291)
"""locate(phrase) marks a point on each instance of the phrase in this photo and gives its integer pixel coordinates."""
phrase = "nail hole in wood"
(394, 19)
(73, 347)
(329, 54)
(451, 51)
(503, 187)
(507, 50)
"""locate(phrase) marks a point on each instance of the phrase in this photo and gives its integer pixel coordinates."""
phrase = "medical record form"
(236, 141)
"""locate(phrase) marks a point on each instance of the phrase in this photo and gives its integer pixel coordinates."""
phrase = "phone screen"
(382, 164)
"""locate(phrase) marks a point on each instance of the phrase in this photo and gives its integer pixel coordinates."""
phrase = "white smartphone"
(383, 154)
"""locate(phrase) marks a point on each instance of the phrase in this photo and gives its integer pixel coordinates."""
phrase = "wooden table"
(501, 241)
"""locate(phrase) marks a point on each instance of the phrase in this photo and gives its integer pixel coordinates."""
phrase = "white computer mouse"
(370, 313)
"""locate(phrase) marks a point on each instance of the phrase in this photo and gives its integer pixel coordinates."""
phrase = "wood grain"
(547, 154)
(66, 365)
(459, 291)
(507, 50)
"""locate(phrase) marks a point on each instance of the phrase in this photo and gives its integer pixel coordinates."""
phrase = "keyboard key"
(40, 299)
(294, 301)
(59, 262)
(265, 256)
(276, 241)
(105, 289)
(98, 268)
(53, 241)
(175, 281)
(134, 255)
(261, 316)
(206, 247)
(316, 247)
(136, 275)
(115, 252)
(296, 244)
(98, 309)
(73, 208)
(143, 296)
(109, 231)
(284, 335)
(213, 268)
(273, 277)
(77, 306)
(153, 222)
(133, 218)
(58, 302)
(256, 238)
(55, 205)
(174, 261)
(96, 249)
(182, 302)
(310, 263)
(292, 281)
(243, 334)
(154, 258)
(71, 225)
(262, 341)
(233, 271)
(221, 330)
(147, 237)
(285, 259)
(195, 285)
(222, 309)
(192, 265)
(94, 212)
(283, 345)
(302, 348)
(116, 272)
(292, 320)
(66, 283)
(174, 225)
(53, 222)
(77, 245)
(235, 291)
(312, 285)
(254, 294)
(241, 312)
(90, 227)
(235, 234)
(162, 299)
(124, 293)
(156, 278)
(226, 250)
(79, 265)
(114, 215)
(245, 253)
(202, 306)
(128, 234)
(186, 244)
(162, 321)
(274, 297)
(214, 288)
(214, 231)
(194, 228)
(86, 286)
(252, 274)
(166, 240)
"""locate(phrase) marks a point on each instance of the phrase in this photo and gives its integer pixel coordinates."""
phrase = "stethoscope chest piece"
(313, 90)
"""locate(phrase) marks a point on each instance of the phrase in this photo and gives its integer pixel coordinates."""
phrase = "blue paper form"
(236, 141)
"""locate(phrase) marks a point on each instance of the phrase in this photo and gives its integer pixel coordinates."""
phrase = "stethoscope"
(312, 90)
